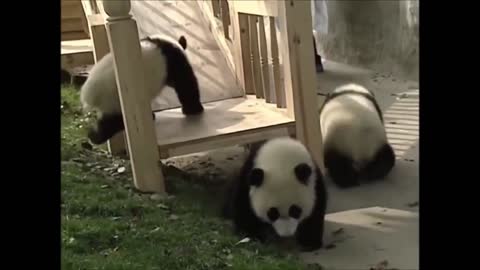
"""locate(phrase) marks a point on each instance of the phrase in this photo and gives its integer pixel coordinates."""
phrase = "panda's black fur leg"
(310, 234)
(381, 164)
(237, 205)
(188, 94)
(107, 126)
(310, 231)
(340, 169)
(181, 77)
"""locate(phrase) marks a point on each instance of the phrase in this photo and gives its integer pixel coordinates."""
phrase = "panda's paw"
(193, 110)
(312, 246)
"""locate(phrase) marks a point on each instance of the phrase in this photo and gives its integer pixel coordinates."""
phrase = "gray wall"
(378, 34)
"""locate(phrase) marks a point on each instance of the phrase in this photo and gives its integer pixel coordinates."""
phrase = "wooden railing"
(271, 55)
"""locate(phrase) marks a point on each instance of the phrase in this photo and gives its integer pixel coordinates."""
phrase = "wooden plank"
(216, 8)
(76, 46)
(245, 47)
(70, 36)
(265, 75)
(136, 110)
(225, 17)
(255, 57)
(71, 25)
(218, 34)
(239, 138)
(70, 61)
(295, 21)
(274, 65)
(71, 11)
(220, 118)
(262, 8)
(76, 53)
(237, 46)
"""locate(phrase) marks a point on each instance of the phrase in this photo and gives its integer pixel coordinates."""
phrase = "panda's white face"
(282, 190)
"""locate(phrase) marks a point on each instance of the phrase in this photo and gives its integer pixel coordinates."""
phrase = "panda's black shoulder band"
(369, 96)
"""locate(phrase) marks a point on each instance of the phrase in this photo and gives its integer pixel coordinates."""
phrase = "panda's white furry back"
(102, 76)
(354, 138)
(279, 191)
(164, 63)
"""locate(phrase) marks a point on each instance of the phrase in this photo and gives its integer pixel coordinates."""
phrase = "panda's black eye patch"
(303, 172)
(273, 214)
(295, 211)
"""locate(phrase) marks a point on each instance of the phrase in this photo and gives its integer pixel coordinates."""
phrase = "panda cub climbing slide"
(165, 63)
(279, 191)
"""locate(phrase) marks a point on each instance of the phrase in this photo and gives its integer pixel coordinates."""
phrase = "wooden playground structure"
(268, 49)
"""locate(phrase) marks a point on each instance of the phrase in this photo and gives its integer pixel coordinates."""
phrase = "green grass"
(107, 224)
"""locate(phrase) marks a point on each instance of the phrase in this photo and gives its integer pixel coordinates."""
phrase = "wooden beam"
(136, 108)
(245, 49)
(237, 46)
(262, 8)
(255, 56)
(265, 75)
(299, 69)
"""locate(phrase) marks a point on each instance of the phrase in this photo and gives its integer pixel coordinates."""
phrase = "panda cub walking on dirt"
(279, 190)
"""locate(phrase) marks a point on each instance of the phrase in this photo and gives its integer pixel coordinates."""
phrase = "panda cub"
(354, 138)
(165, 63)
(279, 190)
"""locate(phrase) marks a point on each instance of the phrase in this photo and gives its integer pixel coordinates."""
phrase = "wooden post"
(136, 109)
(295, 21)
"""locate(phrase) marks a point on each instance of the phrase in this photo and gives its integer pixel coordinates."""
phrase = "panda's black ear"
(183, 42)
(303, 172)
(256, 177)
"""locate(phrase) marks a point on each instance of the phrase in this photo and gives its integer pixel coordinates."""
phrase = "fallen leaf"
(244, 240)
(337, 232)
(163, 206)
(78, 160)
(330, 246)
(157, 197)
(380, 266)
(315, 266)
(413, 204)
(173, 217)
(155, 230)
(121, 170)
